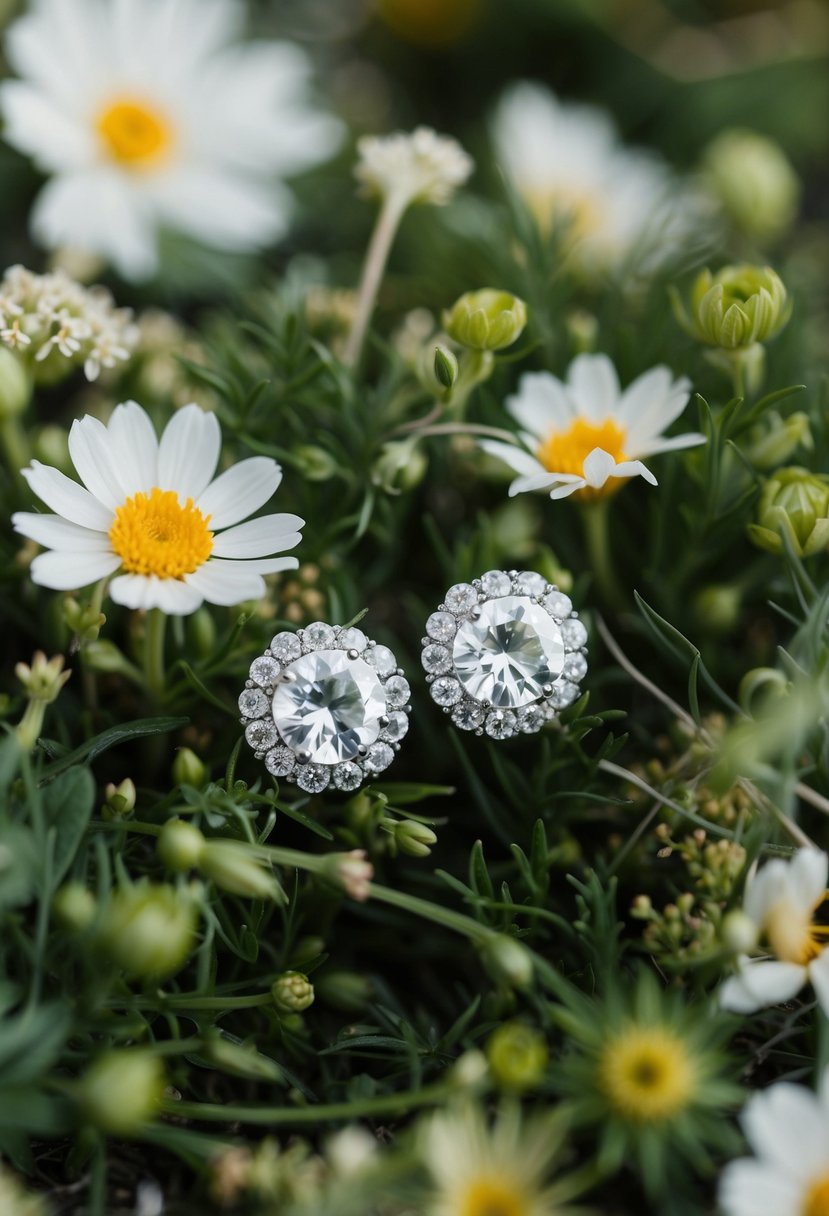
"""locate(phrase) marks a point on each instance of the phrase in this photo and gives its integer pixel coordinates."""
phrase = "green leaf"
(479, 879)
(404, 793)
(31, 1041)
(68, 803)
(204, 692)
(111, 738)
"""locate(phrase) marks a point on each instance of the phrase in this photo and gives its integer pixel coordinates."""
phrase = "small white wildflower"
(47, 315)
(421, 167)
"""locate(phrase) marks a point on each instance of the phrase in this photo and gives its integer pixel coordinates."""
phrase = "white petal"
(58, 46)
(171, 595)
(787, 1125)
(134, 448)
(189, 452)
(226, 583)
(569, 483)
(92, 456)
(515, 457)
(634, 468)
(761, 982)
(593, 386)
(55, 532)
(258, 537)
(533, 482)
(241, 490)
(263, 565)
(764, 888)
(541, 404)
(807, 874)
(66, 571)
(651, 403)
(36, 125)
(751, 1188)
(228, 210)
(819, 976)
(97, 211)
(67, 498)
(675, 444)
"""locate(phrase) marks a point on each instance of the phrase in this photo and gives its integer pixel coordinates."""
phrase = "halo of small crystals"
(463, 602)
(262, 733)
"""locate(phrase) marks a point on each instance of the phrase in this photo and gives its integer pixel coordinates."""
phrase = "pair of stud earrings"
(328, 706)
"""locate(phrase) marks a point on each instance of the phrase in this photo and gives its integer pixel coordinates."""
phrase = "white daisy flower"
(481, 1170)
(579, 434)
(781, 900)
(153, 510)
(148, 114)
(788, 1128)
(565, 160)
(421, 167)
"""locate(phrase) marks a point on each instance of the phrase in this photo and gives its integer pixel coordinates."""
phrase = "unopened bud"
(74, 907)
(150, 929)
(201, 633)
(350, 871)
(292, 992)
(507, 960)
(234, 868)
(314, 463)
(400, 466)
(517, 1056)
(486, 320)
(755, 182)
(121, 1091)
(82, 619)
(445, 367)
(776, 439)
(180, 845)
(471, 1070)
(413, 838)
(717, 607)
(736, 307)
(346, 990)
(793, 502)
(739, 932)
(43, 680)
(120, 799)
(188, 769)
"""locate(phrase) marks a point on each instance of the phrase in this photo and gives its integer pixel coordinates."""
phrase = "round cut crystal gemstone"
(500, 724)
(461, 598)
(509, 652)
(529, 582)
(285, 647)
(559, 604)
(352, 639)
(379, 757)
(253, 703)
(496, 582)
(573, 633)
(331, 708)
(261, 735)
(318, 636)
(382, 660)
(313, 778)
(436, 659)
(468, 716)
(264, 671)
(348, 776)
(280, 761)
(441, 626)
(397, 727)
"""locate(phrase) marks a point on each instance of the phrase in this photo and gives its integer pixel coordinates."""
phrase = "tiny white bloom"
(565, 160)
(579, 434)
(421, 167)
(153, 510)
(781, 900)
(51, 314)
(149, 114)
(787, 1126)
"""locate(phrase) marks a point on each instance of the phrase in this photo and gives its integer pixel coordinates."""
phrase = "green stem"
(15, 447)
(154, 670)
(456, 921)
(386, 1104)
(388, 221)
(595, 517)
(174, 1003)
(98, 1180)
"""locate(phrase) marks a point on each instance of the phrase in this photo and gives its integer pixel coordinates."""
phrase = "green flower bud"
(717, 607)
(121, 1091)
(74, 907)
(315, 463)
(795, 502)
(517, 1056)
(736, 307)
(306, 949)
(486, 320)
(346, 990)
(43, 680)
(120, 799)
(85, 621)
(15, 384)
(180, 845)
(234, 868)
(776, 439)
(739, 932)
(414, 838)
(15, 1200)
(507, 960)
(445, 367)
(150, 929)
(292, 992)
(754, 181)
(188, 769)
(470, 1071)
(400, 466)
(240, 1059)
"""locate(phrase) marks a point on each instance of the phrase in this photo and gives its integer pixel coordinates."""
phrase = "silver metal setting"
(505, 653)
(355, 715)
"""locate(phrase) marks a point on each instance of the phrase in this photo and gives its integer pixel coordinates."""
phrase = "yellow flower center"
(154, 534)
(566, 451)
(134, 133)
(492, 1197)
(817, 1198)
(792, 933)
(646, 1074)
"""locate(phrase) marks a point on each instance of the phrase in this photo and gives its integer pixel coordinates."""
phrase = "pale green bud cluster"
(150, 928)
(735, 308)
(401, 466)
(188, 769)
(517, 1056)
(507, 960)
(85, 621)
(122, 1090)
(486, 320)
(120, 799)
(754, 181)
(794, 502)
(229, 863)
(15, 1200)
(410, 837)
(776, 439)
(74, 907)
(44, 679)
(292, 992)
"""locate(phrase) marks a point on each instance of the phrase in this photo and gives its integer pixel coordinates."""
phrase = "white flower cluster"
(420, 167)
(43, 315)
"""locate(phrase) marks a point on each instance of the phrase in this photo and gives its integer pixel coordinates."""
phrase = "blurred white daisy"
(152, 509)
(788, 1128)
(149, 114)
(481, 1170)
(781, 900)
(421, 167)
(580, 434)
(565, 160)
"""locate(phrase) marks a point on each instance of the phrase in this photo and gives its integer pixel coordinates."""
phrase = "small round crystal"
(261, 735)
(313, 778)
(500, 724)
(397, 727)
(286, 647)
(379, 757)
(531, 583)
(496, 582)
(564, 693)
(468, 716)
(348, 776)
(382, 660)
(280, 761)
(446, 691)
(575, 667)
(573, 633)
(253, 703)
(264, 671)
(558, 604)
(531, 719)
(441, 626)
(461, 598)
(397, 692)
(352, 639)
(318, 636)
(437, 660)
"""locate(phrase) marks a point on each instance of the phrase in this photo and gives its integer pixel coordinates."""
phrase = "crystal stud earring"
(325, 705)
(504, 653)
